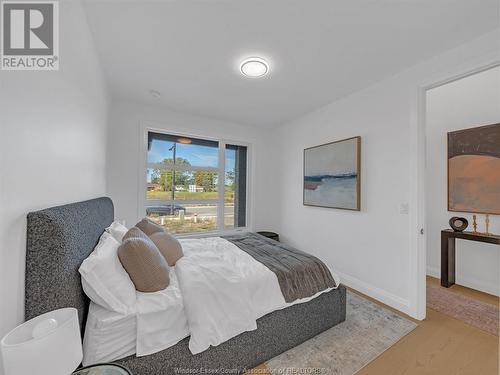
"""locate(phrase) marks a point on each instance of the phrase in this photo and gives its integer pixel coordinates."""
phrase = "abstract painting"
(474, 170)
(332, 174)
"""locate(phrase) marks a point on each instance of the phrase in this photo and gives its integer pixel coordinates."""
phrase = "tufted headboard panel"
(58, 240)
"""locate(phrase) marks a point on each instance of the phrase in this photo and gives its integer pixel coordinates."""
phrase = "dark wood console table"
(448, 237)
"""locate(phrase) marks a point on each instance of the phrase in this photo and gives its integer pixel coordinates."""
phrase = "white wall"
(53, 147)
(468, 102)
(127, 123)
(373, 250)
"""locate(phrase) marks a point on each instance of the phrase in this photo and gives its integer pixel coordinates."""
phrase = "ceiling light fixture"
(254, 67)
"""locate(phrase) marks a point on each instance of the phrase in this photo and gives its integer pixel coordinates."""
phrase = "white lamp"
(49, 344)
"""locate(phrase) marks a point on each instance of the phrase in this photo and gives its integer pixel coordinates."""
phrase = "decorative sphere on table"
(458, 224)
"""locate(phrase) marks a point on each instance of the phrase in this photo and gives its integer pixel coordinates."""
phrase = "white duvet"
(225, 291)
(216, 292)
(161, 319)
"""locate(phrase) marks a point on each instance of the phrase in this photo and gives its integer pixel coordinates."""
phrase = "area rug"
(368, 331)
(479, 314)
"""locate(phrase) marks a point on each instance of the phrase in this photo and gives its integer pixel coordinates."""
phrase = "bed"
(60, 238)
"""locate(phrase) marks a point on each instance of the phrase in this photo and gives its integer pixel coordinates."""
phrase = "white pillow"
(117, 230)
(104, 279)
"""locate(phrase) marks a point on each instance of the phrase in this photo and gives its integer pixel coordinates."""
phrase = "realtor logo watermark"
(30, 35)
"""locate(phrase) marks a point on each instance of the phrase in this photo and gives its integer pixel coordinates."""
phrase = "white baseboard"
(434, 272)
(472, 283)
(381, 295)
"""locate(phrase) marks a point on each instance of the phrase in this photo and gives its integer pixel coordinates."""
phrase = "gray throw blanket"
(300, 275)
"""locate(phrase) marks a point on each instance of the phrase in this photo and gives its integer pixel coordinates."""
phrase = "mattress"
(108, 335)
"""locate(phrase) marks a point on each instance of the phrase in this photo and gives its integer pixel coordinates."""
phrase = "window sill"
(216, 233)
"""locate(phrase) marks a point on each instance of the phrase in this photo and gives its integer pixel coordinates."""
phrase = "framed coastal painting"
(332, 174)
(474, 170)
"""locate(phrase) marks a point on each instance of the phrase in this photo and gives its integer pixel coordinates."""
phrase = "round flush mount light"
(254, 67)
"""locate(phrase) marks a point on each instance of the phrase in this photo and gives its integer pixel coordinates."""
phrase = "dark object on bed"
(60, 238)
(299, 274)
(271, 235)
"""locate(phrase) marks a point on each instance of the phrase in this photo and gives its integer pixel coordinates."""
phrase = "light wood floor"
(440, 345)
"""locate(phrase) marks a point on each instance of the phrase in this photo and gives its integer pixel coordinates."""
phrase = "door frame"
(418, 246)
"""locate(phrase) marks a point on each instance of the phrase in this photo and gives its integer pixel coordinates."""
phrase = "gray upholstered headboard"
(58, 240)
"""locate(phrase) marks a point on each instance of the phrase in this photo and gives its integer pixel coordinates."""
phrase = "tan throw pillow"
(144, 263)
(169, 247)
(149, 227)
(135, 232)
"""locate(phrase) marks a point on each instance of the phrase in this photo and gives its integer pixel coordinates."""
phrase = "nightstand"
(103, 369)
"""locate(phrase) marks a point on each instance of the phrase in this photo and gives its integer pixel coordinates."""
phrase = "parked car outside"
(163, 210)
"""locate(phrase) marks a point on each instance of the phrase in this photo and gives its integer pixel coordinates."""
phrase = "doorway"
(468, 101)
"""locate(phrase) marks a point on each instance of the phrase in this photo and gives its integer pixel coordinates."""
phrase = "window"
(195, 185)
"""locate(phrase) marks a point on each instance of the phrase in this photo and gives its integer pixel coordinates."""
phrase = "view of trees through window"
(183, 184)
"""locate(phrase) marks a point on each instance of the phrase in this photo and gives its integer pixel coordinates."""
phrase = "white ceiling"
(319, 50)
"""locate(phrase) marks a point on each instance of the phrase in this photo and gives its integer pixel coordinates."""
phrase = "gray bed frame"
(60, 238)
